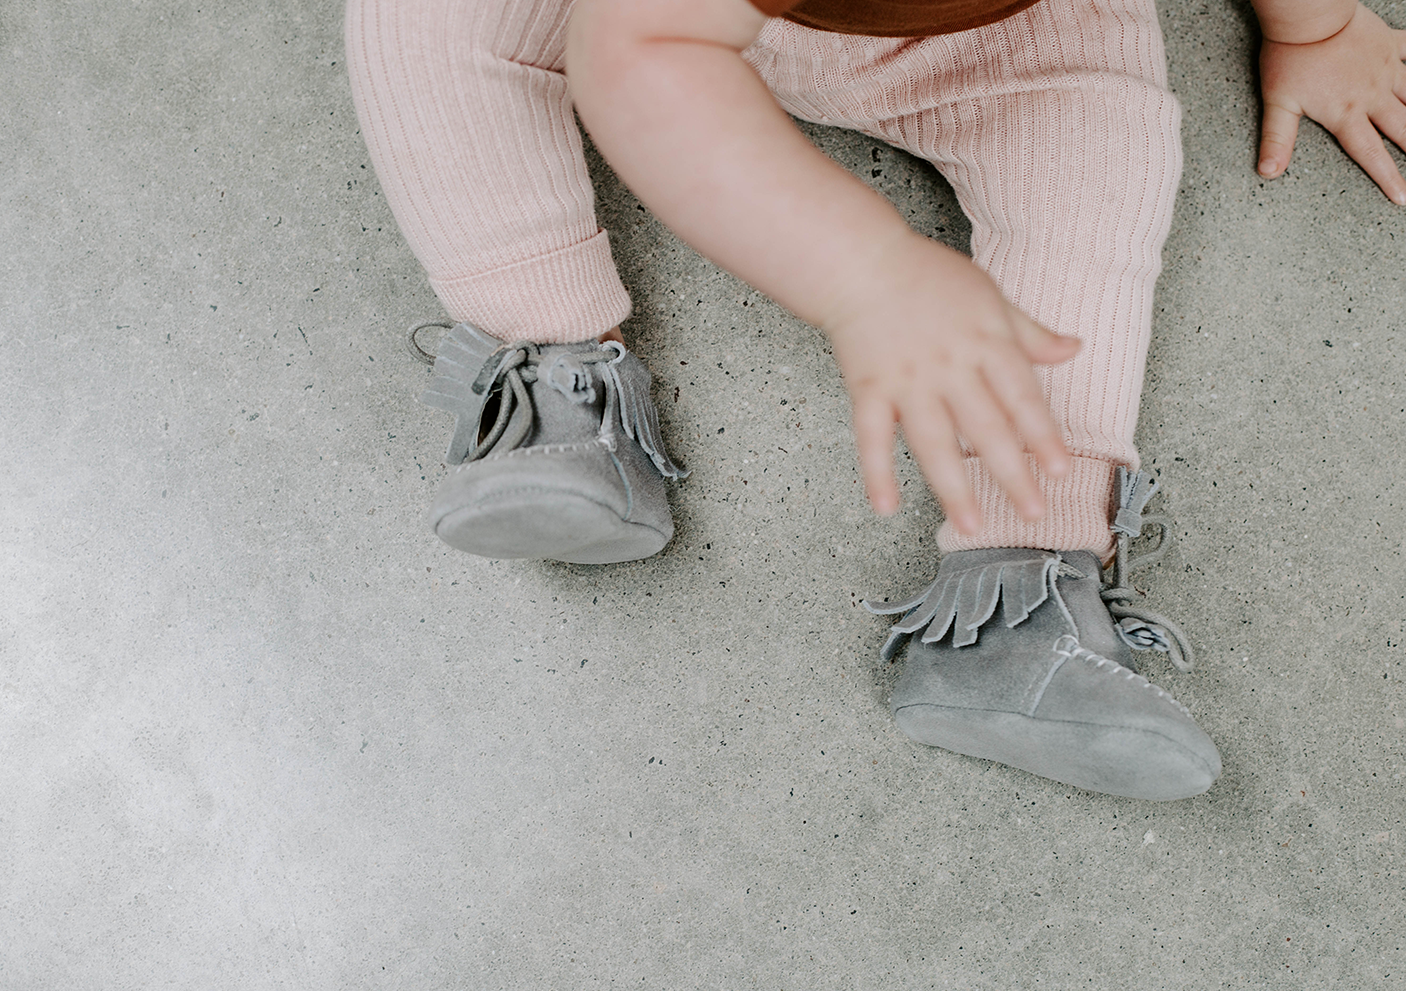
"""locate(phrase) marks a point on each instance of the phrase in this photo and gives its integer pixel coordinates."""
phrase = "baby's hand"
(936, 348)
(1352, 83)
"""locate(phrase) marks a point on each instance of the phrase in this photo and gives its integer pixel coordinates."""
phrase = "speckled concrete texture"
(260, 730)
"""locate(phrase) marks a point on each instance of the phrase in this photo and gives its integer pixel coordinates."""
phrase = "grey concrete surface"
(258, 729)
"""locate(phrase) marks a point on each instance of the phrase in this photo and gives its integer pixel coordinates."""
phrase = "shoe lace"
(1141, 628)
(517, 365)
(412, 341)
(511, 368)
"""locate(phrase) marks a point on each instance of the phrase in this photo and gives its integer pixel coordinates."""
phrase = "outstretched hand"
(923, 337)
(1353, 83)
(938, 350)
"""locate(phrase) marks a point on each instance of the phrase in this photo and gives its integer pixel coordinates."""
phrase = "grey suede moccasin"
(556, 452)
(1045, 685)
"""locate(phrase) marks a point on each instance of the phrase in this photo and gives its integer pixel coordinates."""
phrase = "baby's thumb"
(1043, 347)
(1277, 135)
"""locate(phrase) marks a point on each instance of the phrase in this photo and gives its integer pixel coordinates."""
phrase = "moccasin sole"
(581, 503)
(546, 524)
(1127, 761)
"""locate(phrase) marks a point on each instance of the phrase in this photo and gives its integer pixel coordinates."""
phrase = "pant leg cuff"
(1078, 510)
(569, 295)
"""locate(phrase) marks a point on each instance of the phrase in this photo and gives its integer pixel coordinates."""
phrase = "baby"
(1015, 374)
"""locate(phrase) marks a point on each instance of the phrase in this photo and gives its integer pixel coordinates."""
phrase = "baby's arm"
(923, 337)
(1338, 63)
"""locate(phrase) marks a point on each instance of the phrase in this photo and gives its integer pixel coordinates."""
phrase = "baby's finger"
(1361, 140)
(873, 433)
(1042, 346)
(1278, 132)
(1020, 395)
(985, 426)
(932, 438)
(1026, 403)
(1390, 120)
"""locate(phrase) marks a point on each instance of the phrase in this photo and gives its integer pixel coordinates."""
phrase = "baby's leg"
(1057, 131)
(465, 112)
(1060, 137)
(556, 452)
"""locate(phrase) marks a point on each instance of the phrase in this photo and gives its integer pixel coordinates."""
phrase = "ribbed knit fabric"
(1057, 131)
(465, 112)
(1055, 127)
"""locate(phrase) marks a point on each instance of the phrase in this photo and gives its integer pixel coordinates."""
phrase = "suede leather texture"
(1019, 695)
(571, 491)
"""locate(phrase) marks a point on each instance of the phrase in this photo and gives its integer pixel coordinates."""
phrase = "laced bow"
(509, 369)
(1140, 628)
(518, 365)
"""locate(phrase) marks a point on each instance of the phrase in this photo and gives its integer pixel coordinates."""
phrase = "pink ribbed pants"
(1055, 127)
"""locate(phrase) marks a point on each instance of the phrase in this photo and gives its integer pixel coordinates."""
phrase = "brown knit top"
(893, 18)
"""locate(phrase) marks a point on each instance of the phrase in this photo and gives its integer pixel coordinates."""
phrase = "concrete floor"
(258, 729)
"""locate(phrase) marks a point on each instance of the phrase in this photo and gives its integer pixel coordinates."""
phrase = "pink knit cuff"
(569, 295)
(1078, 509)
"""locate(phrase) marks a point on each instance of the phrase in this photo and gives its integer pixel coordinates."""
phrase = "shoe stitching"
(1172, 741)
(544, 449)
(518, 452)
(1031, 712)
(1068, 648)
(1039, 693)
